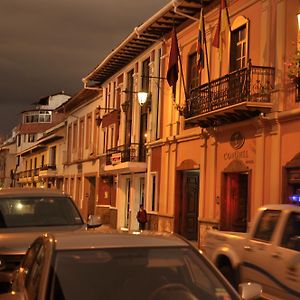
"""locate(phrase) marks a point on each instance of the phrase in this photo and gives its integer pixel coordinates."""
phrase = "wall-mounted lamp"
(125, 106)
(142, 97)
(298, 18)
(98, 120)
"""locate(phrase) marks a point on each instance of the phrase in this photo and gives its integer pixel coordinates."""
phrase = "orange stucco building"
(228, 142)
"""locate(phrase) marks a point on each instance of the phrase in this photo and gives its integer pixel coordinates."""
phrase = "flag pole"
(228, 19)
(183, 81)
(206, 52)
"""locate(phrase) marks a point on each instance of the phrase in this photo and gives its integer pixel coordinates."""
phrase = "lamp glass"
(142, 97)
(298, 18)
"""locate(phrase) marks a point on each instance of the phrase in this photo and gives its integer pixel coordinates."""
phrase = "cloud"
(49, 45)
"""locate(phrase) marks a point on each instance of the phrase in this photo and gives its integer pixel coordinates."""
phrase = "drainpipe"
(176, 4)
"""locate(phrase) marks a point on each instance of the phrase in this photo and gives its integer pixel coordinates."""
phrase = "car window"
(33, 277)
(291, 233)
(23, 276)
(38, 211)
(138, 273)
(266, 225)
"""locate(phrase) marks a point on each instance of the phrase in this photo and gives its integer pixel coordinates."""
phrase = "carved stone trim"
(236, 166)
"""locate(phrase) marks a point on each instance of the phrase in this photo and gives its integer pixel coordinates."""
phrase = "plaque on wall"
(237, 140)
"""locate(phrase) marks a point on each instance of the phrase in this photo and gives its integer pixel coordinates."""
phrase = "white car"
(268, 254)
(119, 265)
(26, 213)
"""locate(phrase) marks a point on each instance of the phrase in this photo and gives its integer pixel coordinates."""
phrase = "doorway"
(90, 195)
(127, 203)
(234, 207)
(186, 216)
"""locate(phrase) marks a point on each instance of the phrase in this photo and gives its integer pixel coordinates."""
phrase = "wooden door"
(235, 202)
(188, 213)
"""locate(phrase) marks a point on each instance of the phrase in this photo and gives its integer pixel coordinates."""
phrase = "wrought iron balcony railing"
(251, 84)
(124, 153)
(48, 167)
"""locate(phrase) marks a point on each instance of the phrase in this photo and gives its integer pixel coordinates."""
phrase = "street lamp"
(142, 97)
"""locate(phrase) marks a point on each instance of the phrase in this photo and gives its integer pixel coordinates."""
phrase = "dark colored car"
(27, 213)
(115, 265)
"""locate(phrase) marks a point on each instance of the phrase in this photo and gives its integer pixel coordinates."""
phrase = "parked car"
(268, 254)
(26, 213)
(119, 265)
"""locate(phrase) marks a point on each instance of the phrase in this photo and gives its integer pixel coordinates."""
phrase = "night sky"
(48, 46)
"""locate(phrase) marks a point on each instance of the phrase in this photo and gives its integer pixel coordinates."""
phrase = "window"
(18, 160)
(291, 233)
(88, 139)
(31, 137)
(145, 75)
(144, 112)
(113, 104)
(266, 225)
(38, 117)
(112, 136)
(81, 138)
(35, 260)
(104, 141)
(69, 143)
(129, 99)
(193, 80)
(239, 44)
(193, 73)
(107, 96)
(18, 140)
(154, 204)
(44, 117)
(52, 156)
(75, 133)
(142, 191)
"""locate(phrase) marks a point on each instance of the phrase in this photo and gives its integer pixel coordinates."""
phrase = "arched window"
(239, 43)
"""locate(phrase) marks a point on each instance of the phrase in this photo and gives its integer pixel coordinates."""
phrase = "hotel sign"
(237, 140)
(115, 158)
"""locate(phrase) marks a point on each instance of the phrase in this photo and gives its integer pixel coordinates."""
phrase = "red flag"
(200, 44)
(172, 74)
(222, 26)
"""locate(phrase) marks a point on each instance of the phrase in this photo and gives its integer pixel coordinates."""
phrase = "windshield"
(135, 273)
(38, 211)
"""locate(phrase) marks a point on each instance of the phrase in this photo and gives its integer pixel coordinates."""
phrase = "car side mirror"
(94, 221)
(250, 290)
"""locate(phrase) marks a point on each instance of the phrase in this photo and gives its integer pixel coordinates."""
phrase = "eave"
(143, 37)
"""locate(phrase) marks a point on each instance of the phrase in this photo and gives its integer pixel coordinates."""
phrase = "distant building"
(81, 152)
(35, 123)
(8, 161)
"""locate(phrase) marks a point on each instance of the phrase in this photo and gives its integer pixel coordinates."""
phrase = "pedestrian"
(142, 217)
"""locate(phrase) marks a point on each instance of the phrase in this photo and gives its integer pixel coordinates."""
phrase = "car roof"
(30, 192)
(116, 239)
(286, 207)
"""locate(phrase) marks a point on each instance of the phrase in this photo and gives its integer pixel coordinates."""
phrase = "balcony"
(48, 171)
(237, 96)
(125, 158)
